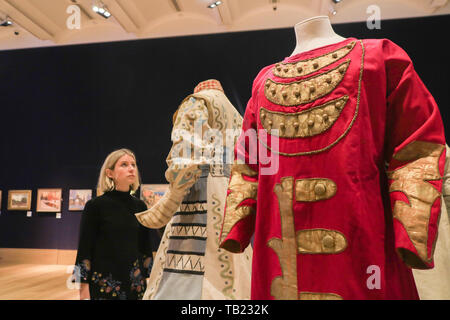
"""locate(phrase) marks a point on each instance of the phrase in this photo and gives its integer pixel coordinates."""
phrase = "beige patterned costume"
(189, 264)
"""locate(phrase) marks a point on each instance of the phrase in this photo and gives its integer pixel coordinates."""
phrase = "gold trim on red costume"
(306, 123)
(285, 286)
(319, 296)
(412, 179)
(239, 190)
(308, 66)
(307, 90)
(320, 241)
(314, 189)
(302, 153)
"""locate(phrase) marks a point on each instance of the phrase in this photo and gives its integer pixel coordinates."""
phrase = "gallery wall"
(63, 109)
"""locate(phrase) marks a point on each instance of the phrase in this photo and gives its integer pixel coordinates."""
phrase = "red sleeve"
(415, 151)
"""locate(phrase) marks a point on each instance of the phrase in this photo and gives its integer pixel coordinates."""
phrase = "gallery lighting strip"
(333, 10)
(5, 22)
(215, 4)
(101, 10)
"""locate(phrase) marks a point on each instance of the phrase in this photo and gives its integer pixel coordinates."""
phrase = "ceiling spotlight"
(336, 1)
(101, 10)
(332, 10)
(5, 22)
(215, 4)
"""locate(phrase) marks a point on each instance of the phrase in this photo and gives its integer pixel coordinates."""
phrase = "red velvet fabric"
(395, 109)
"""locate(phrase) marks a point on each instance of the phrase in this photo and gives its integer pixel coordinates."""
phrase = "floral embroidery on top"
(81, 271)
(137, 280)
(147, 265)
(107, 285)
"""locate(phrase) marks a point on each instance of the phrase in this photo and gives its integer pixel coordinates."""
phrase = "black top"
(115, 250)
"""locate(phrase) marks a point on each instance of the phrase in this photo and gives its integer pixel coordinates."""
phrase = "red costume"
(334, 222)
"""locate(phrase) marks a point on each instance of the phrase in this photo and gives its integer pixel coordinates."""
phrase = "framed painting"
(78, 198)
(151, 193)
(19, 199)
(49, 200)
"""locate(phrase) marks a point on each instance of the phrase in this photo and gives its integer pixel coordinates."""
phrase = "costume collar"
(208, 84)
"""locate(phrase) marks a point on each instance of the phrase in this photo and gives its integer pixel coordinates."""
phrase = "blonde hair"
(105, 183)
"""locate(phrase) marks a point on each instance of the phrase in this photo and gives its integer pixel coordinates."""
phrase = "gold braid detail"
(345, 132)
(285, 287)
(240, 190)
(412, 180)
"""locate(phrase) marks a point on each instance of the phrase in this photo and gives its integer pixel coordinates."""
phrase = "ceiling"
(38, 23)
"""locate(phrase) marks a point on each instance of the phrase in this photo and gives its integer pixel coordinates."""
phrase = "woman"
(114, 254)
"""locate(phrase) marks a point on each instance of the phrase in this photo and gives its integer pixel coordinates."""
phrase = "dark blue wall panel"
(63, 109)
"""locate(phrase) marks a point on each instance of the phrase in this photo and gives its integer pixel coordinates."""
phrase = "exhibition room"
(224, 150)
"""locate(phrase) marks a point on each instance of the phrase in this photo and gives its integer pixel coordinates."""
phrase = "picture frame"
(78, 198)
(49, 200)
(19, 200)
(151, 193)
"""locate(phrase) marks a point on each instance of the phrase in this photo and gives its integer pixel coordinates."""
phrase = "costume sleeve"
(446, 183)
(191, 148)
(88, 231)
(240, 207)
(415, 151)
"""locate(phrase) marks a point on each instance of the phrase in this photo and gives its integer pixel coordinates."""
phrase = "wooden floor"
(36, 282)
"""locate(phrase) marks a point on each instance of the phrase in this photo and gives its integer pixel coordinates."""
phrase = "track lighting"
(6, 22)
(102, 10)
(215, 4)
(332, 8)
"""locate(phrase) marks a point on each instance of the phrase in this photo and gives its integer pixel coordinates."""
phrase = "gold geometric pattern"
(185, 262)
(314, 189)
(285, 286)
(239, 190)
(307, 90)
(306, 123)
(308, 66)
(320, 241)
(412, 180)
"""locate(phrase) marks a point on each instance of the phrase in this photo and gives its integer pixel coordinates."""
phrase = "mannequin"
(189, 265)
(313, 33)
(332, 223)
